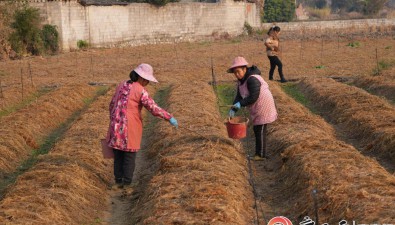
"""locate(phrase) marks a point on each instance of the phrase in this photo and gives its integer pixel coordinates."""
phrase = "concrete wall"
(352, 25)
(139, 23)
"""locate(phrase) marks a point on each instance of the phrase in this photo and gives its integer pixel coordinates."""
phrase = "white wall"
(140, 23)
(352, 25)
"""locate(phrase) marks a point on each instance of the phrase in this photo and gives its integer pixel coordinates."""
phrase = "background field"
(196, 174)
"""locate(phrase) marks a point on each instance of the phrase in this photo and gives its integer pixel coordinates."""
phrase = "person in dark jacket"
(253, 92)
(272, 44)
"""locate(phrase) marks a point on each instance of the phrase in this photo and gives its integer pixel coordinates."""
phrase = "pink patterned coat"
(263, 111)
(126, 125)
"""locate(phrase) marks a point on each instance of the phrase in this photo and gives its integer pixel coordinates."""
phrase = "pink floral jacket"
(126, 126)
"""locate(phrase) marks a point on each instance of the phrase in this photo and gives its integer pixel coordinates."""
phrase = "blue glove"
(231, 113)
(173, 122)
(236, 106)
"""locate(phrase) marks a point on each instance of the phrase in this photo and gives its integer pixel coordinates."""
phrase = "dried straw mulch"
(23, 130)
(201, 176)
(383, 85)
(369, 118)
(69, 185)
(350, 186)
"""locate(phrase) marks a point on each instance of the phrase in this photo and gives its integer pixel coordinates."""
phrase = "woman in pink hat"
(253, 92)
(126, 126)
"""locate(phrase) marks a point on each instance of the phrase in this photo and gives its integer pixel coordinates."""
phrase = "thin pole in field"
(76, 60)
(92, 65)
(1, 90)
(322, 49)
(22, 82)
(1, 86)
(338, 41)
(31, 74)
(175, 49)
(377, 62)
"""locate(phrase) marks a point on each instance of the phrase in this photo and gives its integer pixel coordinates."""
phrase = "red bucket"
(237, 127)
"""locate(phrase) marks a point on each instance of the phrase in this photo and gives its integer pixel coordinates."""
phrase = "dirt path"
(266, 182)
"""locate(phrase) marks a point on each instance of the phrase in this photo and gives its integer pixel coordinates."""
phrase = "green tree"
(26, 37)
(50, 37)
(278, 10)
(314, 3)
(367, 7)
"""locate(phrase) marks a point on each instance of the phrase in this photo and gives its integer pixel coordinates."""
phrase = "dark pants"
(260, 132)
(275, 61)
(124, 164)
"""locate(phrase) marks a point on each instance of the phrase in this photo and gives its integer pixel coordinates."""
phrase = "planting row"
(25, 129)
(68, 185)
(349, 185)
(378, 85)
(370, 119)
(201, 176)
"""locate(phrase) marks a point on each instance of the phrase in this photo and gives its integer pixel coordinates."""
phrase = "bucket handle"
(246, 122)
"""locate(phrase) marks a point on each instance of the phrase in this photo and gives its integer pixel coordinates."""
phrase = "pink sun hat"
(145, 71)
(237, 62)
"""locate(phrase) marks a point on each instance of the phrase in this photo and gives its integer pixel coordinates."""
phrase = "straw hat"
(237, 62)
(145, 71)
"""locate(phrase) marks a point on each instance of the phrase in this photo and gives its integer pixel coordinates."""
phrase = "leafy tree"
(278, 10)
(27, 34)
(314, 3)
(367, 7)
(50, 37)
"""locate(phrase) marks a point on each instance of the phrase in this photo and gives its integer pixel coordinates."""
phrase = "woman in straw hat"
(126, 127)
(253, 92)
(272, 44)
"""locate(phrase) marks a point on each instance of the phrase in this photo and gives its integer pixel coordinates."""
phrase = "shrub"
(354, 44)
(26, 37)
(323, 13)
(248, 29)
(50, 37)
(279, 11)
(82, 44)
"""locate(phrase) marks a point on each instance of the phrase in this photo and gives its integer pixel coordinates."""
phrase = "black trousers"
(124, 164)
(260, 132)
(275, 61)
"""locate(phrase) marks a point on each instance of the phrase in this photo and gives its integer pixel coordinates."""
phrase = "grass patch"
(383, 65)
(354, 44)
(226, 94)
(292, 90)
(320, 67)
(236, 40)
(205, 43)
(47, 144)
(160, 97)
(27, 101)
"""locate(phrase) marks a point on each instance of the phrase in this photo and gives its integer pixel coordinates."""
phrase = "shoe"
(258, 158)
(283, 81)
(118, 183)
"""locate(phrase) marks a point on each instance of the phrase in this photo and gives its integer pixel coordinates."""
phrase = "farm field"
(331, 150)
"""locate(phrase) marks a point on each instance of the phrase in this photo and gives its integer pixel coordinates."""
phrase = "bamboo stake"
(22, 82)
(377, 62)
(31, 75)
(92, 65)
(1, 90)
